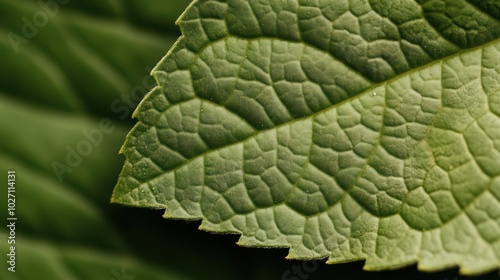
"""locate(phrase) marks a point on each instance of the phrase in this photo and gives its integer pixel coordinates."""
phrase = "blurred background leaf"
(67, 71)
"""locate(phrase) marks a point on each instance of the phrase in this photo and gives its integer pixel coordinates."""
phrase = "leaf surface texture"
(341, 129)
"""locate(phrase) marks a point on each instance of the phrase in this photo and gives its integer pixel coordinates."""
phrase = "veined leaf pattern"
(341, 129)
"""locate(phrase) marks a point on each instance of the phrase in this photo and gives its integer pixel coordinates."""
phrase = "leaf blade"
(336, 171)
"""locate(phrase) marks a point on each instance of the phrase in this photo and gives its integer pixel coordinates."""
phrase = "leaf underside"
(342, 129)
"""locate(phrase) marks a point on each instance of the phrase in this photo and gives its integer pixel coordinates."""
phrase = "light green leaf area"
(342, 129)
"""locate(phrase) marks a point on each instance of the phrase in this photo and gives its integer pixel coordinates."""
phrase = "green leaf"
(341, 129)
